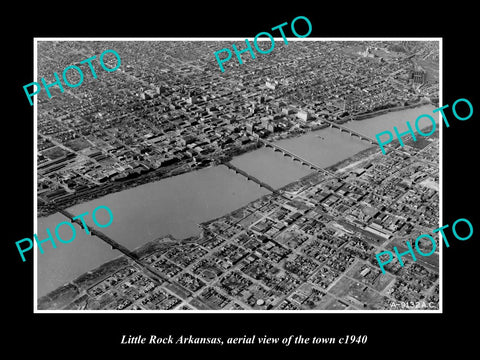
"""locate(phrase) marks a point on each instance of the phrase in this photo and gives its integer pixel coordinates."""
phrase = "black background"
(100, 334)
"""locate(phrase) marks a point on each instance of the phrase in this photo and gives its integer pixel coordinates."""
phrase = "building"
(288, 111)
(148, 94)
(265, 120)
(304, 115)
(250, 126)
(271, 84)
(350, 104)
(418, 76)
(365, 271)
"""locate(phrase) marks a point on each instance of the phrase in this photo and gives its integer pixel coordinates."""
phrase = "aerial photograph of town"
(258, 188)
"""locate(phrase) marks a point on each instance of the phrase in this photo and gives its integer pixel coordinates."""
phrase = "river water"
(176, 205)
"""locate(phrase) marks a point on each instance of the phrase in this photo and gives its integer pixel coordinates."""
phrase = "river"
(176, 205)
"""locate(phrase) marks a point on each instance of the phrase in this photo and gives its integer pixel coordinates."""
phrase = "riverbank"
(65, 295)
(45, 209)
(357, 158)
(369, 115)
(337, 167)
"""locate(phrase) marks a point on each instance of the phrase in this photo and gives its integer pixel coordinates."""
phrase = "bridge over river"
(350, 131)
(155, 275)
(248, 176)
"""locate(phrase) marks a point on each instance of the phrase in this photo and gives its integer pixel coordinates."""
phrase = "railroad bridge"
(248, 176)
